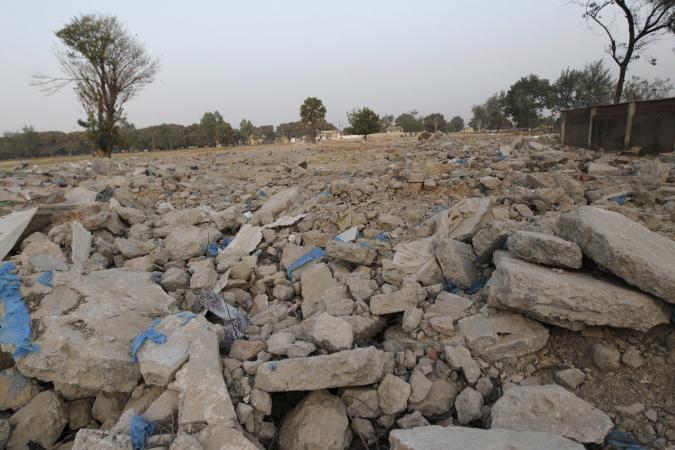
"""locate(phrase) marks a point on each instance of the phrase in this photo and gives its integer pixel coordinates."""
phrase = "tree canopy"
(631, 26)
(409, 122)
(364, 121)
(456, 124)
(526, 100)
(107, 67)
(312, 112)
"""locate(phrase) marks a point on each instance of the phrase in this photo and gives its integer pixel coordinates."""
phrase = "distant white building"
(394, 129)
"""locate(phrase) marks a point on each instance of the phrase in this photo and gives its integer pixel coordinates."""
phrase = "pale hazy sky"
(260, 59)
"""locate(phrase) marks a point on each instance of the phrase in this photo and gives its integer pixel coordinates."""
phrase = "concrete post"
(592, 115)
(563, 120)
(629, 125)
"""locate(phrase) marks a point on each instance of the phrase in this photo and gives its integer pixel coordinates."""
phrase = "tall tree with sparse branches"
(312, 113)
(645, 21)
(107, 66)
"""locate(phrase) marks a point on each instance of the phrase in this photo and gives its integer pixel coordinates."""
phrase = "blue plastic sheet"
(477, 286)
(15, 324)
(620, 440)
(383, 237)
(148, 335)
(620, 199)
(314, 254)
(216, 247)
(450, 286)
(140, 430)
(46, 279)
(462, 161)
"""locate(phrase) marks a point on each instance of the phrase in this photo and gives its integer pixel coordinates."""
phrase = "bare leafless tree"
(646, 21)
(107, 66)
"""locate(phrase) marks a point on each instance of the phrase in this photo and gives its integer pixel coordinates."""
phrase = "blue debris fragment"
(463, 161)
(620, 199)
(502, 157)
(216, 247)
(15, 324)
(186, 316)
(46, 279)
(383, 237)
(450, 286)
(477, 286)
(148, 335)
(620, 440)
(314, 254)
(140, 430)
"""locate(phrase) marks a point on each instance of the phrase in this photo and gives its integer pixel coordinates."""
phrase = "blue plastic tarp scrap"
(477, 286)
(450, 286)
(150, 334)
(15, 324)
(216, 247)
(314, 254)
(140, 430)
(620, 440)
(186, 316)
(383, 237)
(46, 279)
(620, 199)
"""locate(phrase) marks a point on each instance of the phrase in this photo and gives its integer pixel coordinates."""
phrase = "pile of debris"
(497, 293)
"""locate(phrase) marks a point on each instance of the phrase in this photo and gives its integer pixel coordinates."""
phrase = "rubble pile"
(487, 292)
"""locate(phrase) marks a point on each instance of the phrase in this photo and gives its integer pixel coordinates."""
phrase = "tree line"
(533, 102)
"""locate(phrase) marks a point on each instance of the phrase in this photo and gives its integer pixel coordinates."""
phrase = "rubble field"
(466, 291)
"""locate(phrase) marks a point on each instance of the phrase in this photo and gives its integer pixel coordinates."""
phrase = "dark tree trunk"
(620, 83)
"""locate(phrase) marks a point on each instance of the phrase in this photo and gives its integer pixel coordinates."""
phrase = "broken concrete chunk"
(463, 438)
(545, 249)
(40, 421)
(346, 368)
(319, 421)
(159, 363)
(409, 296)
(626, 248)
(187, 242)
(356, 253)
(551, 409)
(459, 357)
(570, 300)
(393, 393)
(331, 333)
(456, 260)
(87, 439)
(314, 281)
(468, 405)
(16, 390)
(89, 327)
(502, 335)
(42, 255)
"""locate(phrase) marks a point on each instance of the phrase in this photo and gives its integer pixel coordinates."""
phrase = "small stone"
(632, 358)
(420, 386)
(570, 378)
(412, 420)
(393, 394)
(246, 350)
(605, 357)
(468, 405)
(411, 319)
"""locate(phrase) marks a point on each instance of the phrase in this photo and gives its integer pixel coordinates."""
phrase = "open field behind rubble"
(469, 291)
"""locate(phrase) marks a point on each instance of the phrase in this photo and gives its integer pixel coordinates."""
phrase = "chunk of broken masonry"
(570, 300)
(463, 438)
(551, 409)
(88, 328)
(346, 368)
(641, 257)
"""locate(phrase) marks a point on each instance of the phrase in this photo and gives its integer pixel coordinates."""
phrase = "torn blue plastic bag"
(620, 199)
(620, 440)
(140, 430)
(383, 237)
(477, 286)
(15, 324)
(312, 255)
(46, 279)
(216, 247)
(148, 335)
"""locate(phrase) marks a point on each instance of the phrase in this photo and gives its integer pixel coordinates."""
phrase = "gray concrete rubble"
(571, 300)
(462, 438)
(550, 409)
(464, 290)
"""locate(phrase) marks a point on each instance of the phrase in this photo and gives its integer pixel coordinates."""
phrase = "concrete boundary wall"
(648, 125)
